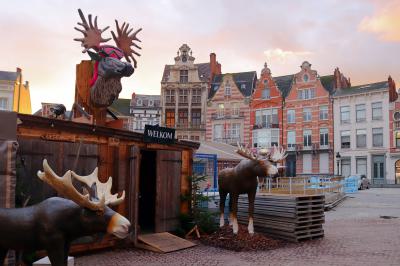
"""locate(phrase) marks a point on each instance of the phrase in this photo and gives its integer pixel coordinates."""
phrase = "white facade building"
(144, 110)
(361, 131)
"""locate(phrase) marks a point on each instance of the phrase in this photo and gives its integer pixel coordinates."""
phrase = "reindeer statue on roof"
(242, 179)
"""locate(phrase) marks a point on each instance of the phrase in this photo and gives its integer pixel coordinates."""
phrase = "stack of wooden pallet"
(290, 217)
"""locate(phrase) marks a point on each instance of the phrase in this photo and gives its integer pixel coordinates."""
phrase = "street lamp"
(337, 161)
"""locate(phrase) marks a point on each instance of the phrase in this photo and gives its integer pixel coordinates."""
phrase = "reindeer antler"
(63, 185)
(102, 189)
(92, 34)
(124, 41)
(245, 152)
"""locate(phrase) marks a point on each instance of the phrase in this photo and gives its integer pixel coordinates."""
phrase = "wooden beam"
(185, 172)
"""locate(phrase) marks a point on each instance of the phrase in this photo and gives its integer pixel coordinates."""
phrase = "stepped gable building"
(228, 107)
(308, 121)
(266, 109)
(14, 94)
(184, 92)
(362, 136)
(144, 110)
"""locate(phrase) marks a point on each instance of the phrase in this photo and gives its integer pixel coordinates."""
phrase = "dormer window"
(227, 90)
(305, 78)
(265, 81)
(151, 103)
(243, 86)
(184, 76)
(139, 102)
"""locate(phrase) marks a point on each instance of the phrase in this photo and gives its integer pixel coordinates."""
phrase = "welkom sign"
(157, 134)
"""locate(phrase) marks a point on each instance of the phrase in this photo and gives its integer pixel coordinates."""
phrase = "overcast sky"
(361, 37)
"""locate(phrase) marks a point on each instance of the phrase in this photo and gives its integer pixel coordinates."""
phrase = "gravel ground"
(362, 230)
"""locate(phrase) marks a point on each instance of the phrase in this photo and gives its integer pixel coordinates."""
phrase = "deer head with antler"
(108, 69)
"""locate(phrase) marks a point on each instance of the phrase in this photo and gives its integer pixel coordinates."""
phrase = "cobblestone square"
(362, 230)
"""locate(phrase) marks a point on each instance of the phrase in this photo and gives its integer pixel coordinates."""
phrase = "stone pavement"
(355, 234)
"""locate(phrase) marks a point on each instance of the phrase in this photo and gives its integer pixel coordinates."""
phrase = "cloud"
(282, 56)
(384, 22)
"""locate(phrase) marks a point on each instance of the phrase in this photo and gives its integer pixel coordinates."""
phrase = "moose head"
(54, 223)
(242, 179)
(108, 68)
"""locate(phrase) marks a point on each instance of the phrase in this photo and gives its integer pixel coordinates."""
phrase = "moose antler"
(124, 41)
(245, 152)
(102, 189)
(63, 185)
(278, 154)
(92, 34)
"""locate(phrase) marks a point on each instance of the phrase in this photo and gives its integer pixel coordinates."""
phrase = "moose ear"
(94, 56)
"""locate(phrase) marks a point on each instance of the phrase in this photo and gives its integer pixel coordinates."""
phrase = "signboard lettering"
(157, 134)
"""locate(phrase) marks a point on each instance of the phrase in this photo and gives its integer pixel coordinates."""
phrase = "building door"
(324, 163)
(397, 172)
(307, 163)
(291, 165)
(346, 167)
(378, 169)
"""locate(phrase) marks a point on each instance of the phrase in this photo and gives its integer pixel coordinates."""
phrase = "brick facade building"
(394, 132)
(228, 107)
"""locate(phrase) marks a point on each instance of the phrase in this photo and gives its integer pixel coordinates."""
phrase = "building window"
(307, 114)
(196, 96)
(170, 118)
(323, 137)
(234, 132)
(267, 118)
(235, 109)
(243, 86)
(184, 77)
(139, 102)
(151, 103)
(265, 93)
(346, 167)
(221, 110)
(183, 95)
(377, 111)
(345, 139)
(196, 117)
(227, 90)
(377, 137)
(361, 138)
(323, 112)
(266, 138)
(291, 139)
(183, 118)
(169, 96)
(218, 132)
(361, 166)
(307, 137)
(4, 104)
(360, 113)
(397, 136)
(291, 116)
(195, 138)
(306, 94)
(305, 78)
(307, 163)
(345, 114)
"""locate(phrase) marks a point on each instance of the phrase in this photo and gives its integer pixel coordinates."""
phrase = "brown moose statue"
(242, 179)
(52, 224)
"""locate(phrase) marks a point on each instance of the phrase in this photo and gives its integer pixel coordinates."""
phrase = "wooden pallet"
(290, 217)
(163, 242)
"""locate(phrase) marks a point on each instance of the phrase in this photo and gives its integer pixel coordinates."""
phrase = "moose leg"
(222, 198)
(230, 211)
(251, 197)
(66, 251)
(56, 254)
(235, 198)
(3, 254)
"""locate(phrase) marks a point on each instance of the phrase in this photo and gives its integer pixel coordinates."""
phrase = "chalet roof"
(377, 86)
(284, 84)
(245, 79)
(222, 150)
(8, 75)
(121, 107)
(204, 72)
